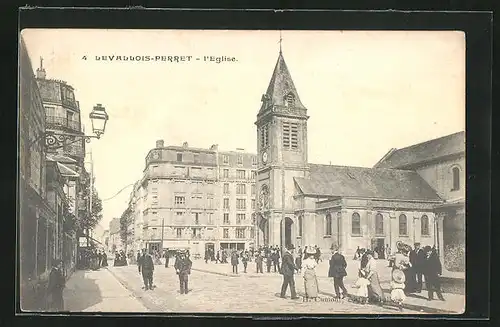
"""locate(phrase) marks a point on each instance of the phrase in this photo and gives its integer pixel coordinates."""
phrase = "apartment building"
(196, 199)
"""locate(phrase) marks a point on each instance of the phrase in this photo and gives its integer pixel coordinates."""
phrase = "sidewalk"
(98, 291)
(455, 300)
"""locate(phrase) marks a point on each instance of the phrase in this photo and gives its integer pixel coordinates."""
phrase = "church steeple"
(281, 90)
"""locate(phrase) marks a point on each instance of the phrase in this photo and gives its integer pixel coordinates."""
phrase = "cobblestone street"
(218, 293)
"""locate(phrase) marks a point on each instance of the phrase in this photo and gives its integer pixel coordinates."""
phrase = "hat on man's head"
(417, 244)
(334, 247)
(427, 248)
(290, 247)
(398, 276)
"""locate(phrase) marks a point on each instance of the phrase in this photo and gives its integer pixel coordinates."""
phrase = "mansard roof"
(435, 149)
(346, 181)
(280, 86)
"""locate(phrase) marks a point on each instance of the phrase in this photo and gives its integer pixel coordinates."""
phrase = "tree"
(126, 220)
(90, 218)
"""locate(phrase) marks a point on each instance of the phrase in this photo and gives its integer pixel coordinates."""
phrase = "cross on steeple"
(281, 40)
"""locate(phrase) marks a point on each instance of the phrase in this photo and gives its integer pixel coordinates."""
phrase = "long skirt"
(311, 283)
(375, 292)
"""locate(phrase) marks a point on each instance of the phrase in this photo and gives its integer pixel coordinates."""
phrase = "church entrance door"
(378, 245)
(288, 232)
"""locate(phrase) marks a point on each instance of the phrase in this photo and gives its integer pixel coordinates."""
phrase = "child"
(397, 288)
(361, 295)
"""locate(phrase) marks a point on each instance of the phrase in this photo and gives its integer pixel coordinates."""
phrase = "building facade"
(441, 163)
(196, 199)
(308, 204)
(115, 241)
(62, 115)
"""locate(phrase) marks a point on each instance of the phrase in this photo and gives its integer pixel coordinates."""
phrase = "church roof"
(442, 147)
(280, 86)
(345, 181)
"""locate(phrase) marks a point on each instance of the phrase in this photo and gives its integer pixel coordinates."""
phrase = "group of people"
(120, 259)
(416, 265)
(146, 265)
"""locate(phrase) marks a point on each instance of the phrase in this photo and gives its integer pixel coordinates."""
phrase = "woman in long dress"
(309, 274)
(375, 292)
(402, 262)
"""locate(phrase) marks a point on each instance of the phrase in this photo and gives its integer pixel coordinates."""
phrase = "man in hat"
(183, 269)
(287, 270)
(338, 271)
(146, 267)
(258, 260)
(419, 266)
(414, 260)
(55, 288)
(432, 270)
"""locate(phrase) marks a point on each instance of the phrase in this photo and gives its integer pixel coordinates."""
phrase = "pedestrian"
(258, 260)
(55, 287)
(167, 257)
(432, 271)
(234, 261)
(361, 285)
(217, 259)
(419, 266)
(338, 271)
(317, 254)
(375, 293)
(357, 254)
(146, 267)
(411, 283)
(287, 270)
(104, 259)
(309, 274)
(245, 258)
(275, 260)
(269, 261)
(183, 269)
(298, 260)
(398, 295)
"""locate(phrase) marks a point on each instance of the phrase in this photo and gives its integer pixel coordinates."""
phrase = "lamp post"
(58, 139)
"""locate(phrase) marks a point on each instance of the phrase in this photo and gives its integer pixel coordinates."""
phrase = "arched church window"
(455, 171)
(403, 225)
(290, 100)
(379, 224)
(299, 221)
(355, 224)
(328, 225)
(424, 225)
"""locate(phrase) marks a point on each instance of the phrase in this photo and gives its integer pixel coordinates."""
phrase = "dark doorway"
(288, 231)
(378, 245)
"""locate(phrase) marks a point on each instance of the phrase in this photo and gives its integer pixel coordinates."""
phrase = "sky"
(366, 91)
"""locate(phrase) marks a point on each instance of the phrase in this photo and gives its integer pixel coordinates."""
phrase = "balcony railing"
(62, 122)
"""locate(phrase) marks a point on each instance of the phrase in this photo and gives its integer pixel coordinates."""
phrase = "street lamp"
(99, 118)
(58, 139)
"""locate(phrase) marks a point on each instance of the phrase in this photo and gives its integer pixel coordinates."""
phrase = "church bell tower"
(282, 150)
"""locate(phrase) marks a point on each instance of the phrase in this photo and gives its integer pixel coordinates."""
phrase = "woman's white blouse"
(309, 263)
(371, 265)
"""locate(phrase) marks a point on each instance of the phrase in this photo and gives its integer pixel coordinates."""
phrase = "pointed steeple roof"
(280, 87)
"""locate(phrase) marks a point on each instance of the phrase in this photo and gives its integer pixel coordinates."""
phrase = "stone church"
(408, 196)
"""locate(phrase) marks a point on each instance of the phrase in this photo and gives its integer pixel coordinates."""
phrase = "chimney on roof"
(214, 147)
(185, 145)
(159, 144)
(40, 71)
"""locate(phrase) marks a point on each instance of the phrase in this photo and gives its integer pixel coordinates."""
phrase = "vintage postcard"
(231, 171)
